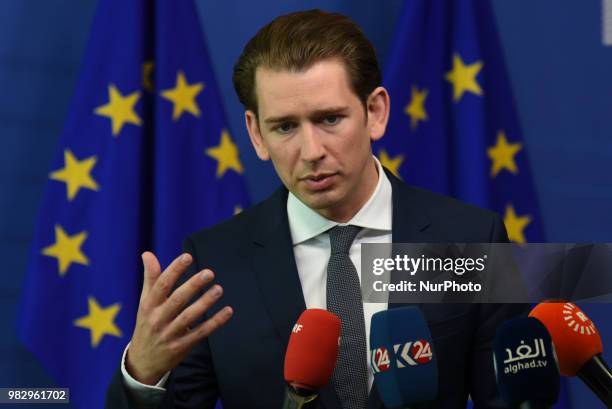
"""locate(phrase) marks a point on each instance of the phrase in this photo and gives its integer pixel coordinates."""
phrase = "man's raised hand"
(163, 335)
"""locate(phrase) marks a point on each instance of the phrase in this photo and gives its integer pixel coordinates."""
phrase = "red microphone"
(311, 356)
(577, 344)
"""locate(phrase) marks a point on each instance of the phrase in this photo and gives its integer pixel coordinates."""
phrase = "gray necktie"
(350, 378)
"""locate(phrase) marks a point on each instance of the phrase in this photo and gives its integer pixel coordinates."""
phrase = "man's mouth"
(319, 181)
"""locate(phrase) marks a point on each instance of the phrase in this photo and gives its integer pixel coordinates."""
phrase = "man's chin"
(324, 203)
(319, 200)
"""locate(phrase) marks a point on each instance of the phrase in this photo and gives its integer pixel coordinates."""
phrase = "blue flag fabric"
(145, 158)
(454, 128)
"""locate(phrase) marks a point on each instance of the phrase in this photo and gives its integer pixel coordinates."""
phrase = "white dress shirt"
(312, 250)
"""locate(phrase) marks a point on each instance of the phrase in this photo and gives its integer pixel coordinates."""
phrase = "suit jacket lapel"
(277, 275)
(274, 265)
(409, 223)
(410, 219)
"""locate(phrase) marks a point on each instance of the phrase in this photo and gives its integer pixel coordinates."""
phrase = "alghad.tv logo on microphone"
(409, 354)
(525, 357)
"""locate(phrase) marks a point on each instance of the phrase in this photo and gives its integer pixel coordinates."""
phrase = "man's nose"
(312, 145)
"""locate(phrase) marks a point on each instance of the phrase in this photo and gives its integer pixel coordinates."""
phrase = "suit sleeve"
(482, 384)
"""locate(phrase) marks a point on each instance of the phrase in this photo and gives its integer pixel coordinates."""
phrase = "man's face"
(317, 134)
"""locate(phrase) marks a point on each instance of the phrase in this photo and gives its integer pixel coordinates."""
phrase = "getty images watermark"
(412, 266)
(485, 272)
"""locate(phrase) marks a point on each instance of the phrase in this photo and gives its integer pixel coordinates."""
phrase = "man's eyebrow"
(275, 120)
(315, 114)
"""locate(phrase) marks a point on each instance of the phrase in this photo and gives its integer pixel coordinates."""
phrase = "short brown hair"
(298, 40)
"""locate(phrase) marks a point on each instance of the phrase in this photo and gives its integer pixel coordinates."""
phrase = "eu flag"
(454, 128)
(145, 158)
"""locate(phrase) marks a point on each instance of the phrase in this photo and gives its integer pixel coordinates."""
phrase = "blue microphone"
(403, 358)
(526, 366)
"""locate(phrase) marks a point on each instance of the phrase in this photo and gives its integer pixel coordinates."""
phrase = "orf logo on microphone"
(380, 360)
(297, 328)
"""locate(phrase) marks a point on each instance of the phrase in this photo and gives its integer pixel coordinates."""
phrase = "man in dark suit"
(310, 84)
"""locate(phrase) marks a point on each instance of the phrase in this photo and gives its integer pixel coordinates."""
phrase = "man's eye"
(331, 120)
(284, 128)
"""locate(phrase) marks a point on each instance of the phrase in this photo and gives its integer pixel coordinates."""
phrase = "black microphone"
(596, 374)
(526, 368)
(299, 398)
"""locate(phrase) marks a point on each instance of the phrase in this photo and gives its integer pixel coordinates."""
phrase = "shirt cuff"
(141, 394)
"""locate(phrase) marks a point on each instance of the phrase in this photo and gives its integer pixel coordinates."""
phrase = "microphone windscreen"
(574, 335)
(525, 363)
(312, 350)
(403, 358)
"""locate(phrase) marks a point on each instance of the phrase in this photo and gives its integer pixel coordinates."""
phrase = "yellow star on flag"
(67, 249)
(463, 77)
(183, 96)
(515, 225)
(120, 109)
(392, 164)
(147, 76)
(226, 155)
(502, 155)
(237, 210)
(76, 174)
(100, 321)
(416, 108)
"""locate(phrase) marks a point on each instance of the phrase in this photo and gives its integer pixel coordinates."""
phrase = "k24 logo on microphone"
(408, 354)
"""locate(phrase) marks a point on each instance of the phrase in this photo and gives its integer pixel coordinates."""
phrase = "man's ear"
(255, 135)
(379, 105)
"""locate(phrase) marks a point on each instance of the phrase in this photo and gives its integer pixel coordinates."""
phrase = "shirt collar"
(376, 213)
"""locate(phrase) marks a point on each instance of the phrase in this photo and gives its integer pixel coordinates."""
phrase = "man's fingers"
(182, 295)
(163, 285)
(189, 315)
(152, 270)
(209, 326)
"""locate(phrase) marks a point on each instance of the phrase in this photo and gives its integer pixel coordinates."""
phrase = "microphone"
(402, 358)
(525, 364)
(578, 345)
(310, 357)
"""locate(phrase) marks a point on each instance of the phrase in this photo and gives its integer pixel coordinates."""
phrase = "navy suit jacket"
(252, 257)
